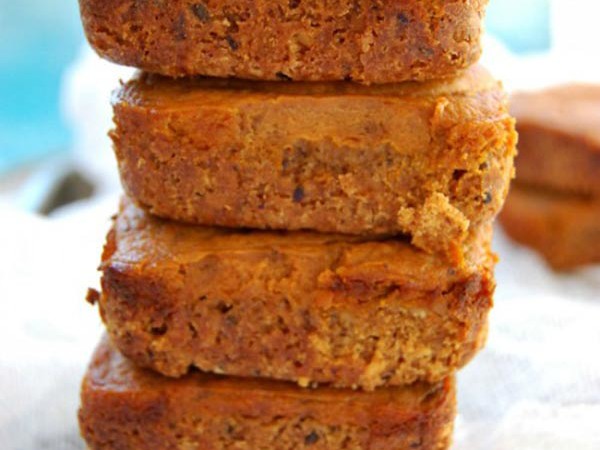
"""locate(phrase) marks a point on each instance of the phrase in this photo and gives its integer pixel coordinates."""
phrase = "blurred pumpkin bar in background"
(554, 206)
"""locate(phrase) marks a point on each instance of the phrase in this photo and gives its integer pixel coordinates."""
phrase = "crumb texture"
(303, 40)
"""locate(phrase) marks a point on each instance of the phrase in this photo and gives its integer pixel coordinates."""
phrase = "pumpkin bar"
(431, 160)
(563, 227)
(559, 145)
(127, 408)
(361, 40)
(305, 307)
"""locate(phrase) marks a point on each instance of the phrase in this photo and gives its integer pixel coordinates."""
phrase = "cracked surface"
(430, 160)
(563, 227)
(370, 41)
(305, 307)
(127, 408)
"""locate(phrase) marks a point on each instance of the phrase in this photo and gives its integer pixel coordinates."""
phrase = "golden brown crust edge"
(305, 307)
(563, 228)
(126, 408)
(363, 40)
(431, 163)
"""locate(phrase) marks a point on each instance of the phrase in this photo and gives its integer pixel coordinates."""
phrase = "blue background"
(39, 38)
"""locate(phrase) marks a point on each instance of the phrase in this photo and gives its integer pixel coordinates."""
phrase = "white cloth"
(46, 329)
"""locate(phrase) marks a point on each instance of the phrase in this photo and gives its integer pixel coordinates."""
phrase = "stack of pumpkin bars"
(303, 256)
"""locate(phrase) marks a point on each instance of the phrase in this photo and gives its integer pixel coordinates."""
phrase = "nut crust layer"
(370, 41)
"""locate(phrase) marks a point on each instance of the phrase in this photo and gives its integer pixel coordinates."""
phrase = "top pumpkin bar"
(369, 41)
